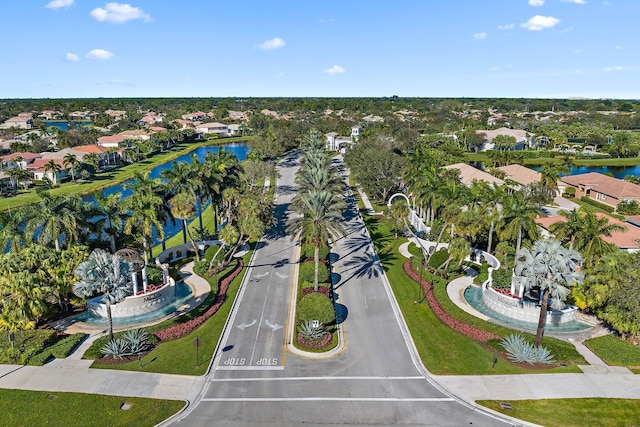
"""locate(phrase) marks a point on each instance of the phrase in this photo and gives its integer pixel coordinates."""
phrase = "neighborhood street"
(376, 380)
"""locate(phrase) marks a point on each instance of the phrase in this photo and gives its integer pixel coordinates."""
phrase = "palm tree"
(458, 249)
(52, 167)
(549, 175)
(53, 218)
(182, 207)
(320, 222)
(106, 274)
(144, 220)
(70, 160)
(518, 218)
(110, 208)
(552, 269)
(584, 231)
(228, 236)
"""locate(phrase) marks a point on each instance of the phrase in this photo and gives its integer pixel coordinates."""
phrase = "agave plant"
(116, 348)
(136, 340)
(520, 351)
(311, 330)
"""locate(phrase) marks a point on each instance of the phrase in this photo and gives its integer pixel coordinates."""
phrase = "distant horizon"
(533, 49)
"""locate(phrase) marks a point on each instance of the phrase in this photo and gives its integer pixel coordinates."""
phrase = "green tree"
(552, 269)
(52, 167)
(518, 220)
(113, 216)
(182, 208)
(504, 142)
(70, 161)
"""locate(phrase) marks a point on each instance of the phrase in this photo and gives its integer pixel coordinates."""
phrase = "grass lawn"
(572, 412)
(111, 177)
(179, 356)
(442, 350)
(615, 351)
(43, 408)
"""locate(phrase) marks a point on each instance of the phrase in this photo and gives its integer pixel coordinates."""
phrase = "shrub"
(210, 252)
(307, 270)
(569, 193)
(132, 342)
(438, 258)
(306, 285)
(316, 306)
(309, 251)
(154, 274)
(26, 344)
(597, 204)
(521, 351)
(501, 278)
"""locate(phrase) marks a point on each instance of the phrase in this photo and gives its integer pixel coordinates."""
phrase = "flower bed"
(318, 344)
(455, 324)
(186, 328)
(321, 290)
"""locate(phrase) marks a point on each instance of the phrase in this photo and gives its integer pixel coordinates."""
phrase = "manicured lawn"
(572, 412)
(615, 351)
(106, 179)
(179, 356)
(42, 408)
(442, 350)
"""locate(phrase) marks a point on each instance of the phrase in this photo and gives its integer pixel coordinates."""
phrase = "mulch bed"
(321, 290)
(318, 344)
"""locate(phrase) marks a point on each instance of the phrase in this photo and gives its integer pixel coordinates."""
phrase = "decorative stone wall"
(523, 311)
(135, 304)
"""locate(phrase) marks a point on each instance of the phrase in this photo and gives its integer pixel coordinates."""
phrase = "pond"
(65, 125)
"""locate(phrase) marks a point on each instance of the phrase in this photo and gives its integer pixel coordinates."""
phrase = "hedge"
(309, 251)
(597, 204)
(59, 350)
(307, 271)
(26, 344)
(316, 306)
(438, 258)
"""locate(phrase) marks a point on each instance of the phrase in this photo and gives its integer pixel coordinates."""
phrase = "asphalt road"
(375, 380)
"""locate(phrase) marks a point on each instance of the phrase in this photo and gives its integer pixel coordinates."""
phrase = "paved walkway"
(367, 203)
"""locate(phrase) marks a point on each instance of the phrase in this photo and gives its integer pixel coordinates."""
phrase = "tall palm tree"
(584, 232)
(144, 220)
(110, 208)
(549, 175)
(103, 273)
(53, 219)
(552, 269)
(70, 159)
(52, 167)
(228, 236)
(182, 208)
(320, 222)
(518, 218)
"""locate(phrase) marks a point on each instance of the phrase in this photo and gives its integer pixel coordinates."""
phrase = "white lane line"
(249, 368)
(264, 306)
(329, 399)
(307, 378)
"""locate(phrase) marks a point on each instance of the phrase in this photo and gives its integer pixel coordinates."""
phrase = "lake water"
(241, 151)
(617, 171)
(65, 125)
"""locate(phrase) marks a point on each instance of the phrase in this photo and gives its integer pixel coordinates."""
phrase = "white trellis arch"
(401, 195)
(414, 219)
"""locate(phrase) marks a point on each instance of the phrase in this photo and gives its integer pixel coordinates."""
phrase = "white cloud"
(99, 54)
(536, 2)
(119, 13)
(336, 69)
(618, 68)
(575, 1)
(539, 23)
(480, 36)
(618, 47)
(274, 43)
(506, 27)
(57, 4)
(72, 57)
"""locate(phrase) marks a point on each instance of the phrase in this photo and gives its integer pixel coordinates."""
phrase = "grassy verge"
(572, 412)
(442, 350)
(40, 408)
(179, 356)
(615, 351)
(114, 176)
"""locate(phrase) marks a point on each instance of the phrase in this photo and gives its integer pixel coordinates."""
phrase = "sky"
(312, 48)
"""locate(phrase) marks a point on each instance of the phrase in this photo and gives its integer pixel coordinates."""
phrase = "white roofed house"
(213, 128)
(20, 122)
(523, 139)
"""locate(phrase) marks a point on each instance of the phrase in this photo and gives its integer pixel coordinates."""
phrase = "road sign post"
(197, 342)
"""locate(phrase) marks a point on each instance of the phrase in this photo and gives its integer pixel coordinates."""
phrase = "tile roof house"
(520, 174)
(628, 240)
(110, 141)
(139, 134)
(198, 115)
(40, 171)
(522, 137)
(213, 128)
(468, 174)
(605, 189)
(21, 122)
(184, 124)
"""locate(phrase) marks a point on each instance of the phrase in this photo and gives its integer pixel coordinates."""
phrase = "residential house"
(116, 114)
(135, 134)
(18, 160)
(107, 156)
(81, 115)
(39, 169)
(602, 188)
(373, 119)
(111, 141)
(184, 124)
(238, 115)
(219, 129)
(468, 174)
(520, 174)
(523, 139)
(50, 115)
(627, 240)
(20, 122)
(198, 115)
